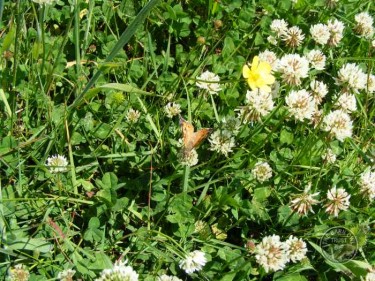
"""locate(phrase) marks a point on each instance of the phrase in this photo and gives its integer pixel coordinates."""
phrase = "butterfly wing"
(200, 136)
(190, 138)
(187, 133)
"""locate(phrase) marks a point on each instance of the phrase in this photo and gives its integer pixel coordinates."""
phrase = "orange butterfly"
(190, 138)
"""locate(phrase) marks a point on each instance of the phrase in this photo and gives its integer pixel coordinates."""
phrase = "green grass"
(71, 71)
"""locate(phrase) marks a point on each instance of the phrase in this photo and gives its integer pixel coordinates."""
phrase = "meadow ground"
(187, 140)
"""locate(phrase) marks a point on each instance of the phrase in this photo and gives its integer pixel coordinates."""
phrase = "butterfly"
(190, 138)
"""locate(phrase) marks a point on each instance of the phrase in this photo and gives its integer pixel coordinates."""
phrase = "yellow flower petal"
(245, 71)
(255, 63)
(259, 75)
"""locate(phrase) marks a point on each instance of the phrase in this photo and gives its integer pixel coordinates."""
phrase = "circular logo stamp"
(339, 244)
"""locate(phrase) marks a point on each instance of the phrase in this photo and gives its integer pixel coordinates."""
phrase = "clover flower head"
(120, 271)
(293, 68)
(190, 158)
(296, 248)
(338, 200)
(133, 115)
(66, 275)
(222, 141)
(338, 124)
(320, 33)
(300, 104)
(193, 261)
(317, 59)
(262, 171)
(271, 253)
(367, 184)
(57, 163)
(209, 81)
(18, 273)
(293, 37)
(302, 203)
(172, 109)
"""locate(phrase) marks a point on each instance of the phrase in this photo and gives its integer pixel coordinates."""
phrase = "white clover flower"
(339, 124)
(293, 37)
(172, 109)
(208, 81)
(118, 272)
(168, 278)
(346, 102)
(338, 199)
(269, 57)
(300, 104)
(364, 18)
(329, 156)
(319, 91)
(320, 33)
(190, 158)
(18, 273)
(336, 28)
(302, 203)
(222, 141)
(370, 276)
(133, 115)
(317, 117)
(57, 163)
(258, 104)
(364, 24)
(66, 275)
(272, 40)
(317, 59)
(367, 184)
(332, 3)
(200, 226)
(271, 253)
(373, 43)
(194, 261)
(370, 83)
(293, 68)
(262, 171)
(351, 76)
(231, 124)
(279, 27)
(296, 248)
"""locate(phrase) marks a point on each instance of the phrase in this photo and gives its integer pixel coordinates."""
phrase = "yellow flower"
(259, 76)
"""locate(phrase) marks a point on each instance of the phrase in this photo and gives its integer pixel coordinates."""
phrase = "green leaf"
(359, 268)
(292, 277)
(31, 244)
(228, 47)
(102, 261)
(286, 137)
(94, 223)
(262, 193)
(108, 196)
(93, 233)
(228, 277)
(285, 213)
(115, 86)
(9, 38)
(103, 131)
(5, 101)
(109, 180)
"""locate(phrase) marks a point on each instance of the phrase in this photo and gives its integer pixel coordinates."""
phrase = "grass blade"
(124, 39)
